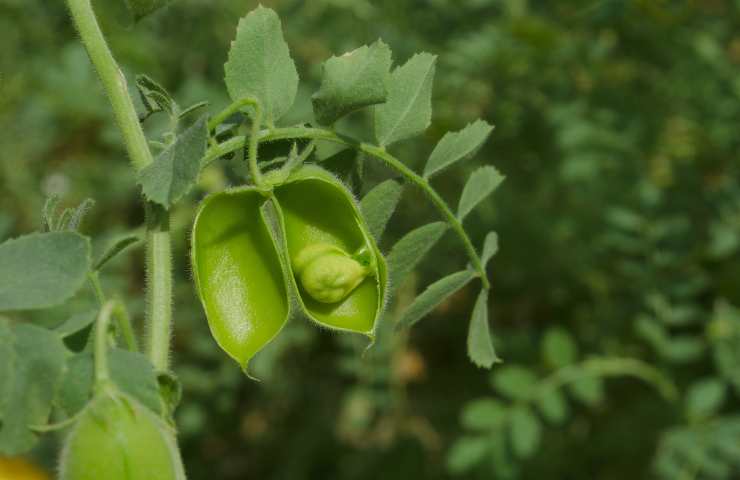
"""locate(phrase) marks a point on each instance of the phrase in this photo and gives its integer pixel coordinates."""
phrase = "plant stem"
(158, 254)
(124, 321)
(113, 81)
(102, 375)
(159, 285)
(389, 160)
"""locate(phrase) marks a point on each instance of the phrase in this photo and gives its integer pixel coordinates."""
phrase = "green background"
(619, 223)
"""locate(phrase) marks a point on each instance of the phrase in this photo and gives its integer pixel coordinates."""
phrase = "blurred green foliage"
(619, 223)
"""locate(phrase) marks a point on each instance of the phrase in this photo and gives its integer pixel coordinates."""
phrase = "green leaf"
(435, 294)
(7, 365)
(466, 453)
(175, 170)
(134, 374)
(490, 247)
(456, 146)
(514, 382)
(76, 388)
(131, 372)
(259, 65)
(483, 414)
(408, 110)
(589, 389)
(480, 345)
(39, 367)
(481, 183)
(42, 270)
(558, 348)
(705, 397)
(154, 96)
(117, 246)
(192, 109)
(409, 251)
(553, 405)
(76, 323)
(355, 80)
(141, 8)
(378, 205)
(525, 431)
(48, 213)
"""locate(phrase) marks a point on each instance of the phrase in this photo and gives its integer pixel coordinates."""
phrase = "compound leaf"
(42, 270)
(408, 110)
(259, 65)
(456, 146)
(352, 81)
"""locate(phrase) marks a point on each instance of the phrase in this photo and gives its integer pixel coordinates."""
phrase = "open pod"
(337, 270)
(311, 249)
(238, 272)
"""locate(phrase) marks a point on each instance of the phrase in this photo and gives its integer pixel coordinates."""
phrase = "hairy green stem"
(159, 285)
(102, 375)
(389, 160)
(113, 81)
(120, 312)
(158, 258)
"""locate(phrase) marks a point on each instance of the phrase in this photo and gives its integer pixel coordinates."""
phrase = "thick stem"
(389, 160)
(159, 285)
(158, 258)
(113, 81)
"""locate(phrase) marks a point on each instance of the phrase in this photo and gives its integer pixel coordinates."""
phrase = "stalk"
(158, 258)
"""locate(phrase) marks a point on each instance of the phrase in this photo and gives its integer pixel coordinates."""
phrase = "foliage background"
(616, 126)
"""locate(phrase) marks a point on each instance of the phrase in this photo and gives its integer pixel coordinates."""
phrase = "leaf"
(117, 246)
(490, 247)
(558, 348)
(37, 373)
(553, 405)
(134, 374)
(76, 388)
(589, 389)
(481, 183)
(456, 146)
(48, 213)
(705, 397)
(435, 294)
(141, 8)
(154, 96)
(175, 170)
(259, 65)
(409, 251)
(192, 109)
(466, 453)
(76, 323)
(378, 205)
(78, 214)
(355, 80)
(42, 270)
(7, 366)
(515, 382)
(525, 431)
(483, 414)
(131, 372)
(408, 110)
(480, 345)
